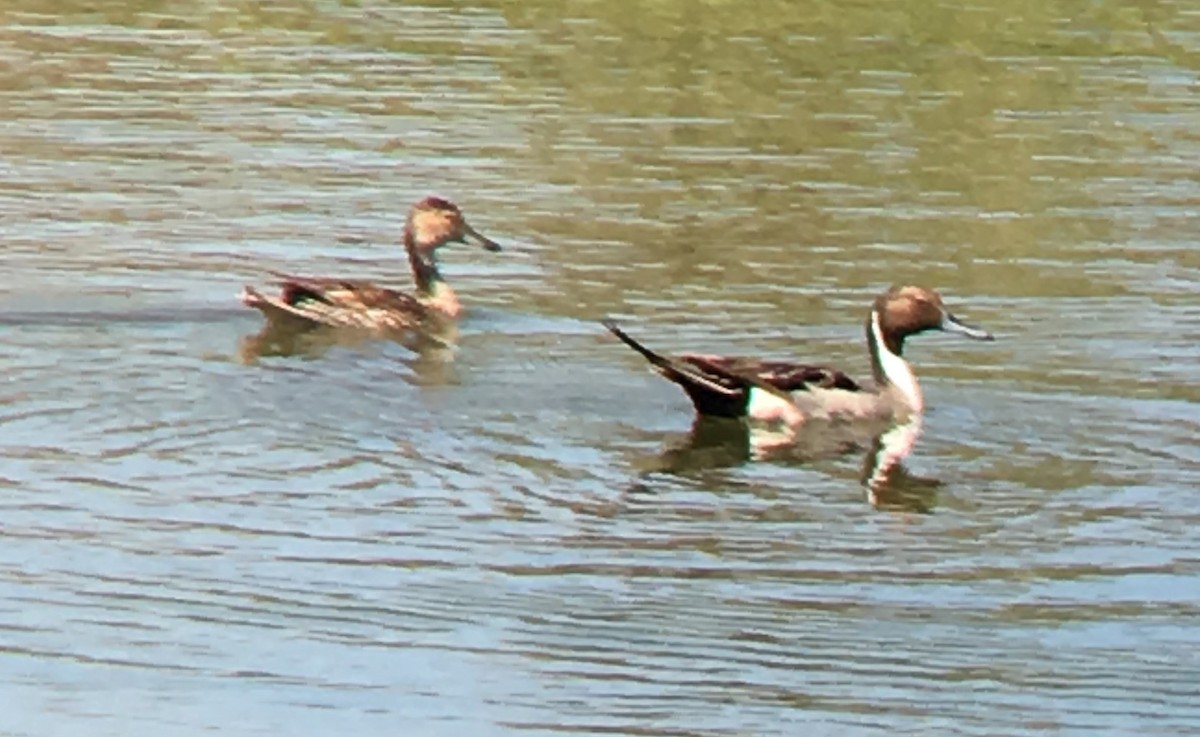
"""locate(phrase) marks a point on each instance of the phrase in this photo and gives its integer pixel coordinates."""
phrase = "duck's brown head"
(434, 222)
(905, 311)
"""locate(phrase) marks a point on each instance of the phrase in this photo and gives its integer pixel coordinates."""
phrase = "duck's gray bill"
(472, 234)
(952, 324)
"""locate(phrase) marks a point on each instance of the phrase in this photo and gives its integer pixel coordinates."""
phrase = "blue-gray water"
(514, 537)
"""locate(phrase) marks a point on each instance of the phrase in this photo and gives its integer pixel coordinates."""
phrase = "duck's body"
(795, 393)
(339, 303)
(350, 303)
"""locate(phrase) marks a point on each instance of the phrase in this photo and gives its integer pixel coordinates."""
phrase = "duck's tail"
(712, 395)
(274, 308)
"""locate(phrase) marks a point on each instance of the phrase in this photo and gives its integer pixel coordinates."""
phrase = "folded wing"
(340, 303)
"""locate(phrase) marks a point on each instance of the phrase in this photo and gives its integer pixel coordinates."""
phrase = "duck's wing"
(786, 376)
(720, 385)
(339, 302)
(352, 294)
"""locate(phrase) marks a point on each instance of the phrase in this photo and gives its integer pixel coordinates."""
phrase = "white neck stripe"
(895, 369)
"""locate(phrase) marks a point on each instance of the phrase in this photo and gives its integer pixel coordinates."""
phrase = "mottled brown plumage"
(340, 303)
(348, 303)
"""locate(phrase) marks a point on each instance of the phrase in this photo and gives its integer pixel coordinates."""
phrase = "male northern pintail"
(432, 223)
(782, 391)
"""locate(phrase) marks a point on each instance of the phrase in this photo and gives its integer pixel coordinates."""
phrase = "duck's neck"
(892, 373)
(432, 289)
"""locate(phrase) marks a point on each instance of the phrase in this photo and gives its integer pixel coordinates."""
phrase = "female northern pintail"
(432, 223)
(782, 391)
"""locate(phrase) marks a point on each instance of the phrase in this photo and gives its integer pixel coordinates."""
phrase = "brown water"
(515, 537)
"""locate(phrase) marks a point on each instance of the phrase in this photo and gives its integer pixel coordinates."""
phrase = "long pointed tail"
(657, 360)
(709, 394)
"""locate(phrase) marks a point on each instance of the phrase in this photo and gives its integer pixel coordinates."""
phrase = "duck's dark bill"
(474, 235)
(952, 324)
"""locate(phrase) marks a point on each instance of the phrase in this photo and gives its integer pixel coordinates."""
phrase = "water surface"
(208, 531)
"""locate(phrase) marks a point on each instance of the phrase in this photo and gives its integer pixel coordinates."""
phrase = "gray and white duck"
(773, 391)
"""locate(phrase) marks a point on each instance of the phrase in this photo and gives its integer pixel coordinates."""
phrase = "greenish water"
(520, 536)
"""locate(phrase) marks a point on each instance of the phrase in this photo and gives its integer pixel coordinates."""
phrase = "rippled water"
(205, 528)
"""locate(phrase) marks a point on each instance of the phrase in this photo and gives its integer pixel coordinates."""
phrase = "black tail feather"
(711, 395)
(657, 360)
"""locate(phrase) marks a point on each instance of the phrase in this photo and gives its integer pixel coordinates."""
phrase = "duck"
(774, 392)
(349, 303)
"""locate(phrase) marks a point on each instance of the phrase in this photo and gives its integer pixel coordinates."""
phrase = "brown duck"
(794, 393)
(432, 223)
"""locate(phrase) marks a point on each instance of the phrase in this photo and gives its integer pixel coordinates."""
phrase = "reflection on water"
(207, 531)
(723, 443)
(889, 484)
(295, 337)
(713, 442)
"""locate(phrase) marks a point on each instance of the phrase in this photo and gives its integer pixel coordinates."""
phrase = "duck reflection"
(433, 347)
(716, 443)
(713, 442)
(889, 484)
